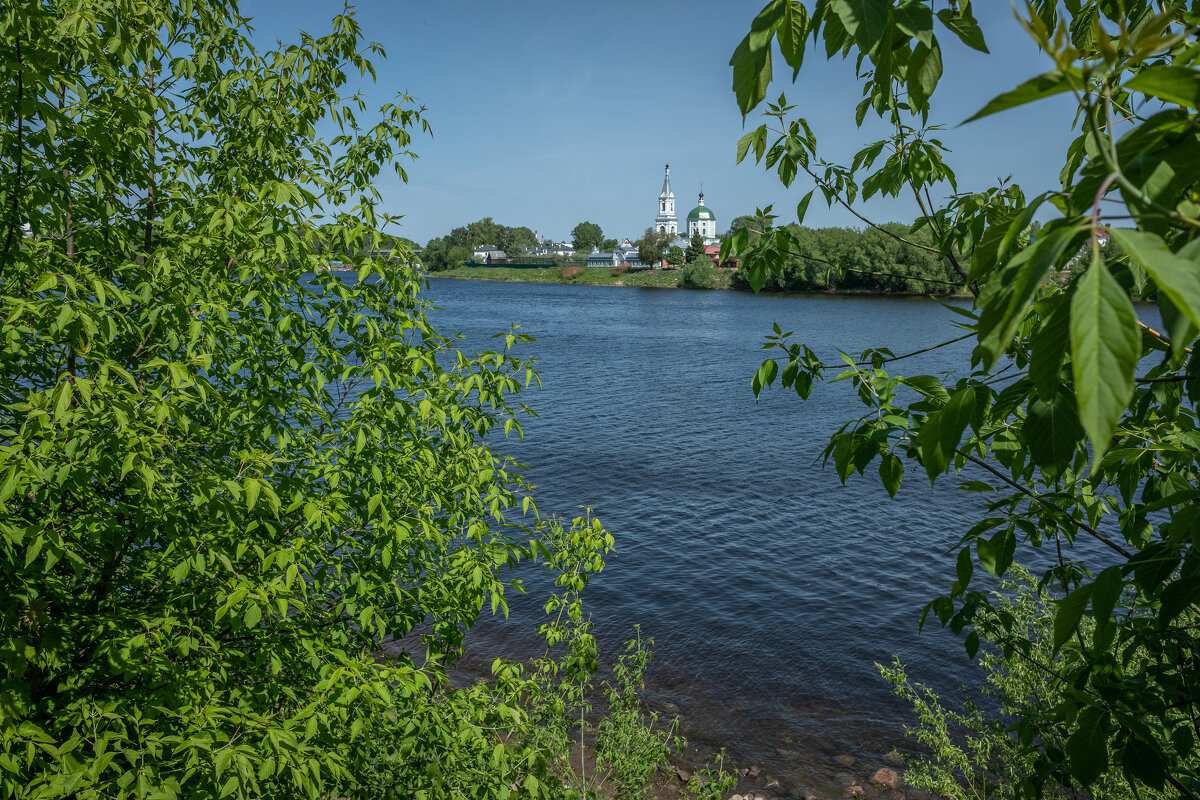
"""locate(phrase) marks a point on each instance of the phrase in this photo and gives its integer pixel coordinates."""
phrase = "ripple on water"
(771, 590)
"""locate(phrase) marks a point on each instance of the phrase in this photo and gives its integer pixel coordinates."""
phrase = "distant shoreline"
(641, 279)
(590, 276)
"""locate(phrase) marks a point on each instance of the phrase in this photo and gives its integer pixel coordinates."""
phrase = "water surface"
(770, 589)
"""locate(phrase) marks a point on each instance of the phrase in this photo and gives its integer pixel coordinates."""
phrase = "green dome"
(699, 213)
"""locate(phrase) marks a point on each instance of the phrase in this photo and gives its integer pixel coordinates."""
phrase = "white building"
(665, 221)
(702, 220)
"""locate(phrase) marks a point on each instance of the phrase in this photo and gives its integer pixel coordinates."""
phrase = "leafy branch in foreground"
(229, 478)
(1072, 420)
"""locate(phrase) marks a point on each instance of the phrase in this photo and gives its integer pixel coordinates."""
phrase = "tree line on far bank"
(447, 252)
(886, 259)
(455, 248)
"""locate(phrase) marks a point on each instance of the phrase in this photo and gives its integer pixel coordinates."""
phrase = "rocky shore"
(861, 779)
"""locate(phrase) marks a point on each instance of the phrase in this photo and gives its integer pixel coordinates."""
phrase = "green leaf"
(1070, 610)
(1005, 299)
(1176, 276)
(1179, 327)
(1045, 85)
(1047, 347)
(927, 385)
(1052, 432)
(916, 20)
(1178, 595)
(1087, 747)
(1001, 239)
(956, 416)
(996, 554)
(763, 377)
(792, 34)
(964, 27)
(10, 483)
(743, 145)
(891, 471)
(1083, 27)
(1106, 590)
(924, 72)
(251, 487)
(964, 568)
(1105, 345)
(929, 444)
(1143, 760)
(802, 207)
(46, 282)
(751, 60)
(865, 20)
(1173, 84)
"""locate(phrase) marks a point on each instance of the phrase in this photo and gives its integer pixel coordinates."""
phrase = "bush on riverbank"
(570, 273)
(973, 754)
(699, 275)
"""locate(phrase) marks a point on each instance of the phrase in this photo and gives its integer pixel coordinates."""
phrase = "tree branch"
(16, 186)
(150, 134)
(1083, 526)
(915, 352)
(824, 184)
(1159, 336)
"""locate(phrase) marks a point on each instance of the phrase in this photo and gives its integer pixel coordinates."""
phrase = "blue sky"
(549, 113)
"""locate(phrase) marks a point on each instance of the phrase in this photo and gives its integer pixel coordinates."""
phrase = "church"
(700, 219)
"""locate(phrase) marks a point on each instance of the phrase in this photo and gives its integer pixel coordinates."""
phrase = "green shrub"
(973, 755)
(628, 744)
(699, 275)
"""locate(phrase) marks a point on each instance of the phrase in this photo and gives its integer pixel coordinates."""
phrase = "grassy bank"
(591, 276)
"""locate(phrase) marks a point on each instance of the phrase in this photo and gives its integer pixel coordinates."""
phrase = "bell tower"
(666, 221)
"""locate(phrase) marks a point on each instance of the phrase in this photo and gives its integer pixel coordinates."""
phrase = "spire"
(701, 195)
(666, 221)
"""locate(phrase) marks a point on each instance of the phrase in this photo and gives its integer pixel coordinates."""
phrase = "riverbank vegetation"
(887, 259)
(1072, 419)
(228, 476)
(445, 252)
(971, 754)
(454, 250)
(586, 276)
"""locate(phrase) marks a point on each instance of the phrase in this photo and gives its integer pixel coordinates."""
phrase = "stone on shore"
(886, 779)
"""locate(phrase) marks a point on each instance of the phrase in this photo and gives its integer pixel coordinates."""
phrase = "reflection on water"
(770, 589)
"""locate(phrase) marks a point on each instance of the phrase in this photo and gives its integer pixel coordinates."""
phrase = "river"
(770, 589)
